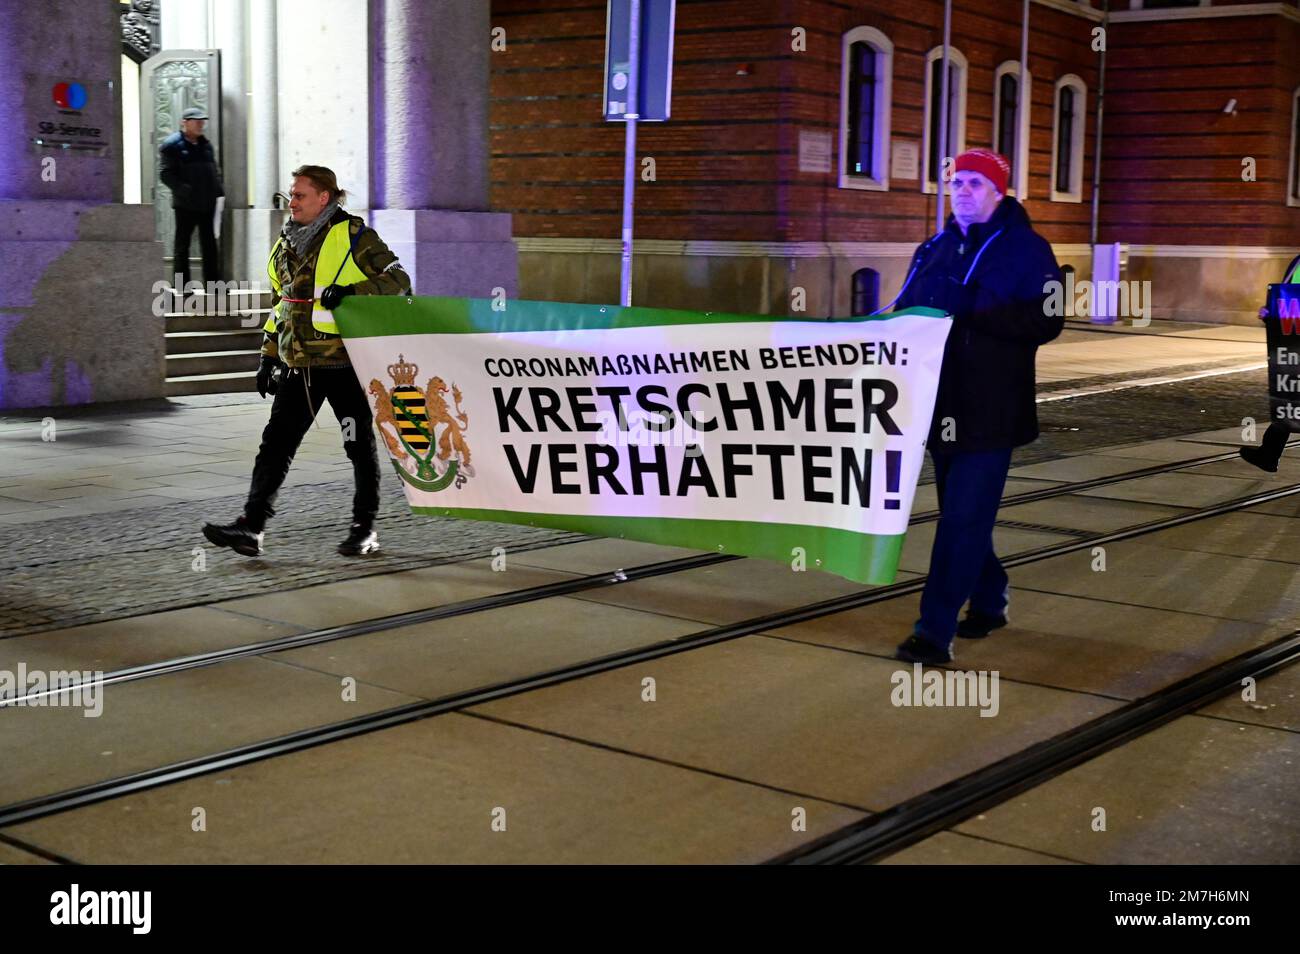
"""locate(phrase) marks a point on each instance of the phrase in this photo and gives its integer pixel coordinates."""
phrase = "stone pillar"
(185, 25)
(265, 177)
(230, 38)
(429, 146)
(256, 229)
(429, 104)
(76, 266)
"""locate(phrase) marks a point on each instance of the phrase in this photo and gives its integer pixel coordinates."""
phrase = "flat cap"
(194, 113)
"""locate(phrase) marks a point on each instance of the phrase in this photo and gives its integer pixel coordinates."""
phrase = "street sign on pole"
(654, 79)
(638, 87)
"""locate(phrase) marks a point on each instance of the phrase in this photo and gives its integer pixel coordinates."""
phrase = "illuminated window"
(1067, 139)
(865, 77)
(1006, 100)
(956, 113)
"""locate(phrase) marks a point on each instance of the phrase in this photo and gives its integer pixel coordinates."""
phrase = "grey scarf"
(299, 237)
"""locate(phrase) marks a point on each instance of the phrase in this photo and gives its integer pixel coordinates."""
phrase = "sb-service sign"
(67, 113)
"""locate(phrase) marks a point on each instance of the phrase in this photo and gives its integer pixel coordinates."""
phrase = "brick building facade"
(801, 135)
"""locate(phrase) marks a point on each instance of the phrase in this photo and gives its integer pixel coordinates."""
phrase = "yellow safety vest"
(334, 266)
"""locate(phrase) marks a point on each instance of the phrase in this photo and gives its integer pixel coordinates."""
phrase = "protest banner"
(781, 438)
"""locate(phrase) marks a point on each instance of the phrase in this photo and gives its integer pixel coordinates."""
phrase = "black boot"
(238, 536)
(978, 625)
(360, 541)
(917, 649)
(1269, 452)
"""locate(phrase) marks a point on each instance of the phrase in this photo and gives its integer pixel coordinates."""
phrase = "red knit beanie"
(989, 164)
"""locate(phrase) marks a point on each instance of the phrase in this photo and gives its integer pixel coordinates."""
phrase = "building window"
(1293, 181)
(865, 80)
(1006, 140)
(866, 292)
(956, 113)
(1067, 139)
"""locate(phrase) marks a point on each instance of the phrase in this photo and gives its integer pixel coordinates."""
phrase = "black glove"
(331, 296)
(956, 299)
(268, 381)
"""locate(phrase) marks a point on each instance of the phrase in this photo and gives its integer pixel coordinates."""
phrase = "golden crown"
(403, 373)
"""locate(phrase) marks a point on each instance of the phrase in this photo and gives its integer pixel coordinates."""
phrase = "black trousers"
(296, 403)
(186, 223)
(1274, 441)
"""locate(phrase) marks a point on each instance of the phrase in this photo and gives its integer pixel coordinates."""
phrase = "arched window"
(1070, 112)
(867, 66)
(866, 291)
(931, 161)
(1006, 139)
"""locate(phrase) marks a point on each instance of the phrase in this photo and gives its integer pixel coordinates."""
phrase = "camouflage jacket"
(296, 342)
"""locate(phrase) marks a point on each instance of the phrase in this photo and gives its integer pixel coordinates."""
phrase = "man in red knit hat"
(989, 269)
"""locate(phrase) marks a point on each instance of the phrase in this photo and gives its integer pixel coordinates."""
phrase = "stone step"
(211, 362)
(198, 342)
(232, 322)
(228, 383)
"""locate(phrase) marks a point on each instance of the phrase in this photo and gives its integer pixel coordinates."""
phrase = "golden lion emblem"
(409, 419)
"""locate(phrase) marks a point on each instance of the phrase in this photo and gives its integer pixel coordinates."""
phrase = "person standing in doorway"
(188, 167)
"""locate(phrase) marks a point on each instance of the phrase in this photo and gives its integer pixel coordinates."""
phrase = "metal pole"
(944, 114)
(629, 147)
(1096, 155)
(1022, 108)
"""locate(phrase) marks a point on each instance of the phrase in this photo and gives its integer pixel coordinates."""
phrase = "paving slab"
(1078, 467)
(469, 652)
(1142, 573)
(1276, 702)
(950, 848)
(927, 497)
(1288, 506)
(336, 604)
(1227, 436)
(915, 557)
(14, 855)
(796, 717)
(1260, 536)
(729, 592)
(1288, 471)
(428, 792)
(1183, 489)
(167, 719)
(1095, 514)
(1161, 451)
(1195, 791)
(1093, 646)
(600, 555)
(136, 641)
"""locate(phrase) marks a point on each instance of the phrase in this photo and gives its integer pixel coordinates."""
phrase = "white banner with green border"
(789, 439)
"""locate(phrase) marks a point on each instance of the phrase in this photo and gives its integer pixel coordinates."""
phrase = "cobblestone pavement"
(98, 567)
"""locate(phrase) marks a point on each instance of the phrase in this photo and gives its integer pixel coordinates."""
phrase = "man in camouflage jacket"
(304, 366)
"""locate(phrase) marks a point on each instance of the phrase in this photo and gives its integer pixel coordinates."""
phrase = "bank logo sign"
(69, 95)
